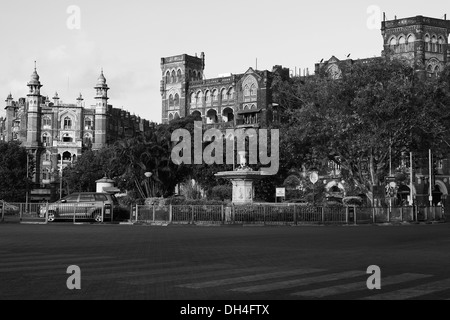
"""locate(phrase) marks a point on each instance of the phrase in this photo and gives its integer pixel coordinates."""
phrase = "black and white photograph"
(222, 159)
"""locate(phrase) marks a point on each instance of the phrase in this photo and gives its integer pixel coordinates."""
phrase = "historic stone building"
(420, 41)
(56, 133)
(242, 100)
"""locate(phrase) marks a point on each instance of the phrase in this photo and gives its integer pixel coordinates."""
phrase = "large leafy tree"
(14, 182)
(372, 114)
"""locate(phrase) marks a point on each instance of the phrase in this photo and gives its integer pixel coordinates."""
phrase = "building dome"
(101, 81)
(34, 80)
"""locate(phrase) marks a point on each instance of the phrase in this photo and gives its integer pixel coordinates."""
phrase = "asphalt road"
(224, 263)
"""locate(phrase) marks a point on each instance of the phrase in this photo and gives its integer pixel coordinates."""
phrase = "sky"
(71, 41)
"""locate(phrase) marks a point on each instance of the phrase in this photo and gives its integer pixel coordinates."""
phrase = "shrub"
(223, 192)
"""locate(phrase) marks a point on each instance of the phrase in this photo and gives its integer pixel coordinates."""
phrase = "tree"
(376, 110)
(14, 182)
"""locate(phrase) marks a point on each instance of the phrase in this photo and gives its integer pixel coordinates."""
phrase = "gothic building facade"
(56, 134)
(232, 100)
(420, 41)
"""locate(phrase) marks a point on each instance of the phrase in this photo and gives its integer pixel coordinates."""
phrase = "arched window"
(215, 95)
(177, 99)
(427, 43)
(430, 71)
(67, 123)
(171, 102)
(172, 78)
(231, 94)
(411, 40)
(179, 75)
(170, 117)
(195, 75)
(46, 156)
(67, 138)
(46, 139)
(436, 71)
(253, 90)
(246, 91)
(392, 43)
(67, 156)
(177, 116)
(208, 96)
(441, 43)
(401, 44)
(168, 77)
(199, 101)
(88, 123)
(193, 99)
(433, 44)
(224, 95)
(47, 122)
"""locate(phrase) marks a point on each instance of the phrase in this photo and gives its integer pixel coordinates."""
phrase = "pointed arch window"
(179, 75)
(171, 101)
(224, 95)
(88, 123)
(215, 95)
(46, 139)
(168, 77)
(47, 122)
(427, 43)
(208, 96)
(67, 123)
(176, 100)
(173, 77)
(401, 44)
(411, 39)
(433, 44)
(440, 44)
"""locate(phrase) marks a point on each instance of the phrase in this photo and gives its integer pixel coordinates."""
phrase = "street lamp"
(148, 176)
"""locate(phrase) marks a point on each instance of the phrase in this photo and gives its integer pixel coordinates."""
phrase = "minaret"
(9, 117)
(56, 99)
(101, 106)
(80, 101)
(33, 99)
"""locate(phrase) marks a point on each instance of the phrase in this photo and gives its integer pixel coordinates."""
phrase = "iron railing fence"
(268, 214)
(273, 214)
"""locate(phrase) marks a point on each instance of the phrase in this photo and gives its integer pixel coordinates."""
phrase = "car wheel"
(98, 217)
(51, 217)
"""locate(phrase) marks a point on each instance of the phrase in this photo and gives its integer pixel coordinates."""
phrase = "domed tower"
(34, 109)
(101, 107)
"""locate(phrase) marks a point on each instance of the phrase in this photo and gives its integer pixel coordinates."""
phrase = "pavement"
(235, 263)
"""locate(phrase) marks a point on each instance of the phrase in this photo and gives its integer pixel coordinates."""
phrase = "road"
(224, 263)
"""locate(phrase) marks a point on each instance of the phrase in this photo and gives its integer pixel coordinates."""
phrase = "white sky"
(128, 38)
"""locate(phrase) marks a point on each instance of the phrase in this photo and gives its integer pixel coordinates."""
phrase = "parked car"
(87, 205)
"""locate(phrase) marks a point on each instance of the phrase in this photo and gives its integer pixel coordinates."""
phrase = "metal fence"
(266, 214)
(269, 214)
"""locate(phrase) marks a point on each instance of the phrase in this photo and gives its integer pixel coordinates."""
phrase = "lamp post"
(148, 176)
